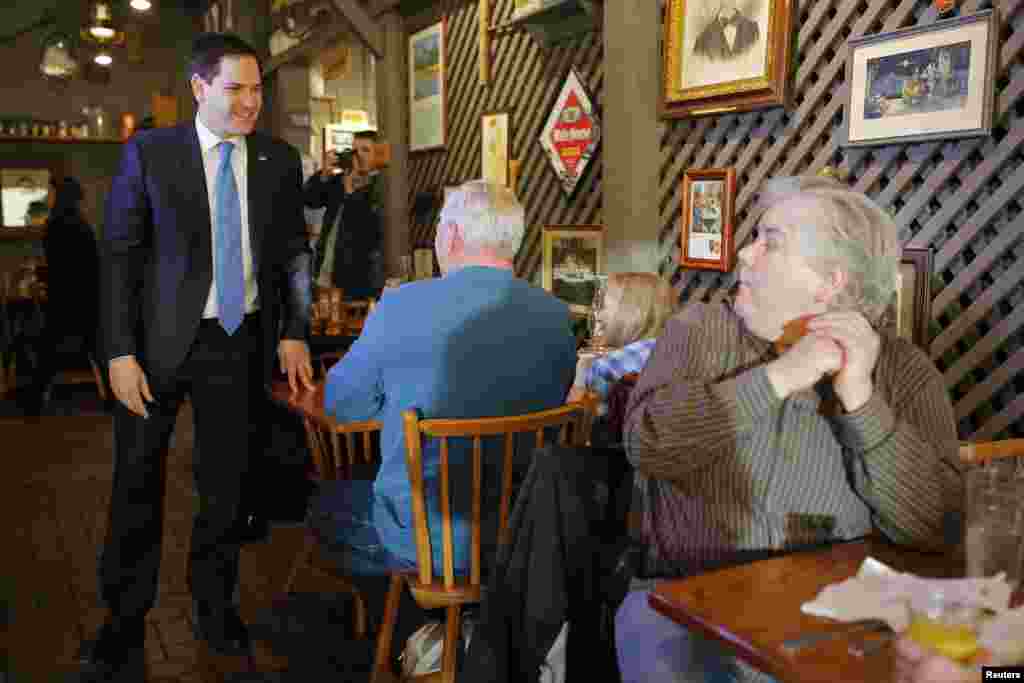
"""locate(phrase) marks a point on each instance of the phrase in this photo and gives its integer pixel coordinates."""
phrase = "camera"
(346, 161)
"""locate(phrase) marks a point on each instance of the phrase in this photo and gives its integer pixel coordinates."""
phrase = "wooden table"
(754, 608)
(333, 444)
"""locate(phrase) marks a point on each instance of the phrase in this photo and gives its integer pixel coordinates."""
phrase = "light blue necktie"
(230, 272)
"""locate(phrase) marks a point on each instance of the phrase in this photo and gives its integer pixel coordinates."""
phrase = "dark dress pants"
(221, 374)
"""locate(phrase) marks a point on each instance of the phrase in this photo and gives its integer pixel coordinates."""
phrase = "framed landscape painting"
(573, 257)
(923, 83)
(706, 223)
(427, 126)
(725, 55)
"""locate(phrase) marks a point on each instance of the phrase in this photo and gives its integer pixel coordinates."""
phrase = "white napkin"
(880, 592)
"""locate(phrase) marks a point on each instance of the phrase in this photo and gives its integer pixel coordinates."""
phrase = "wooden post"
(485, 42)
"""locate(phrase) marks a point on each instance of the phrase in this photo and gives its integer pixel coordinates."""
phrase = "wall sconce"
(101, 22)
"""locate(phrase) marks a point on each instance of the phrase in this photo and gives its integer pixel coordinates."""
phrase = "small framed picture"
(910, 312)
(706, 224)
(427, 89)
(494, 147)
(336, 139)
(923, 83)
(573, 258)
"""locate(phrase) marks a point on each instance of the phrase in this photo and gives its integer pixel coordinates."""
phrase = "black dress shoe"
(116, 654)
(222, 630)
(252, 527)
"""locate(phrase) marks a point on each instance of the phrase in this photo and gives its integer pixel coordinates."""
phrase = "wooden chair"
(984, 451)
(449, 591)
(335, 448)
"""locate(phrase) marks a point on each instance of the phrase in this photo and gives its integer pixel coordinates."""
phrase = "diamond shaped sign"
(572, 133)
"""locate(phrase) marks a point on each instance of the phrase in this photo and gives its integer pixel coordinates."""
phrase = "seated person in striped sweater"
(635, 309)
(746, 448)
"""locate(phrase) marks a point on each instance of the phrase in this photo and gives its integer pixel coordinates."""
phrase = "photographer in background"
(348, 253)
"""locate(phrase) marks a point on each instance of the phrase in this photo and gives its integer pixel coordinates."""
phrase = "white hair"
(854, 233)
(489, 216)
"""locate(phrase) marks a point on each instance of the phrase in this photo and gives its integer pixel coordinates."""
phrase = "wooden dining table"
(752, 609)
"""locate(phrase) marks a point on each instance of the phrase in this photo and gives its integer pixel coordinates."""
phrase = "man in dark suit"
(728, 35)
(204, 266)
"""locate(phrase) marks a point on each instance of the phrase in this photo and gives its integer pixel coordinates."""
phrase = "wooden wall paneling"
(961, 198)
(525, 81)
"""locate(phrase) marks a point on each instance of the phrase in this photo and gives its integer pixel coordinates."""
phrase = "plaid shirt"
(609, 368)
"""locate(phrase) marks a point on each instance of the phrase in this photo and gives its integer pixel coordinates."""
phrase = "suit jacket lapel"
(257, 181)
(195, 178)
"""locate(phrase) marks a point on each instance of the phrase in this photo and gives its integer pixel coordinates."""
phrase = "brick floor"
(54, 492)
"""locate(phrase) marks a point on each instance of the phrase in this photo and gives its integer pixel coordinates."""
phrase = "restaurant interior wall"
(24, 93)
(526, 79)
(961, 198)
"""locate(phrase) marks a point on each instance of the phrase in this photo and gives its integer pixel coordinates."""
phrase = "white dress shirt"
(208, 142)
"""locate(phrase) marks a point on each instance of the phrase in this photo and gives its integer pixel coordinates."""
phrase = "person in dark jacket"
(73, 284)
(728, 35)
(348, 253)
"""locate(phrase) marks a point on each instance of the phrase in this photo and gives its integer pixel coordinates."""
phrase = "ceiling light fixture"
(141, 5)
(101, 22)
(103, 58)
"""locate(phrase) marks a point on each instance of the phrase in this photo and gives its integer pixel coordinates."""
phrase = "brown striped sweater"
(729, 467)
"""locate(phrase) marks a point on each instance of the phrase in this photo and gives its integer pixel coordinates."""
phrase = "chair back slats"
(506, 485)
(571, 419)
(447, 542)
(350, 448)
(414, 462)
(316, 448)
(474, 555)
(983, 451)
(367, 447)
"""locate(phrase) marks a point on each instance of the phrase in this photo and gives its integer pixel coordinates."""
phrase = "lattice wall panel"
(961, 198)
(526, 80)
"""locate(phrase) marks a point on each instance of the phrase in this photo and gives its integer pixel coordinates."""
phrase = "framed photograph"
(724, 56)
(923, 83)
(494, 147)
(23, 193)
(572, 133)
(706, 224)
(427, 127)
(336, 138)
(573, 257)
(909, 314)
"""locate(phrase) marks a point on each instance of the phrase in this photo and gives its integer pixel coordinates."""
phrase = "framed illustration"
(573, 256)
(725, 55)
(23, 196)
(706, 224)
(494, 147)
(572, 133)
(427, 126)
(923, 83)
(910, 312)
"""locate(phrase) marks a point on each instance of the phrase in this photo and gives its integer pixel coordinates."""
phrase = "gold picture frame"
(495, 143)
(573, 258)
(706, 221)
(724, 56)
(910, 312)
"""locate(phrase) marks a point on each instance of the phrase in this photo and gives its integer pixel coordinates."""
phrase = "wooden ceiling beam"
(363, 25)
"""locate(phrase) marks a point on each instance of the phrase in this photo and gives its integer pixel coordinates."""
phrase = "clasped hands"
(842, 344)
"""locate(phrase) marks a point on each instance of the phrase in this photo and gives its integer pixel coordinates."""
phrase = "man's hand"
(803, 364)
(295, 363)
(329, 164)
(129, 384)
(860, 345)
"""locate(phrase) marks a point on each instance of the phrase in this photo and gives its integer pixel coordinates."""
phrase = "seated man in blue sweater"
(477, 342)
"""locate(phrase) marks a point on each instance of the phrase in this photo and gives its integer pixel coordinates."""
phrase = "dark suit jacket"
(156, 254)
(712, 43)
(72, 275)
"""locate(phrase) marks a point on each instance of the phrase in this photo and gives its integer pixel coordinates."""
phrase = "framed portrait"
(910, 312)
(572, 133)
(23, 194)
(724, 56)
(706, 224)
(573, 257)
(494, 147)
(923, 83)
(427, 126)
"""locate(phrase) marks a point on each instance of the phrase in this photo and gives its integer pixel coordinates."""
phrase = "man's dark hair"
(370, 135)
(208, 50)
